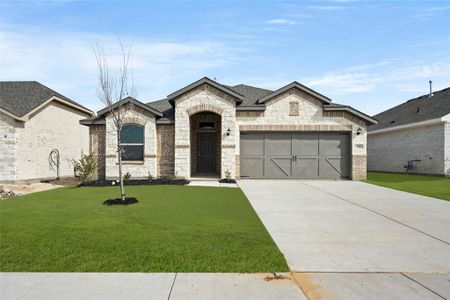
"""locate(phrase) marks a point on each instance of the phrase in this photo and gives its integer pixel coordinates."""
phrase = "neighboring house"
(34, 120)
(415, 134)
(210, 129)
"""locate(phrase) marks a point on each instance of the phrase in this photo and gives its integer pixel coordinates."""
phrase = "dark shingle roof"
(21, 97)
(251, 94)
(251, 100)
(165, 107)
(415, 110)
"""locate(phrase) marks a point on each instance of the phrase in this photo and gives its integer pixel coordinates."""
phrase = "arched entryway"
(205, 134)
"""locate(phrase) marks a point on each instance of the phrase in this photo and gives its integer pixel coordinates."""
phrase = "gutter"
(412, 125)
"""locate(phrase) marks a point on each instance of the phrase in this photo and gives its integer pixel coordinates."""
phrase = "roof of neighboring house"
(415, 110)
(21, 97)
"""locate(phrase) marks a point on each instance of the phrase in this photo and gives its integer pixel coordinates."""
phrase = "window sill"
(130, 162)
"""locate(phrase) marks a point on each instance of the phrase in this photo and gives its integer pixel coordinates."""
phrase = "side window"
(132, 140)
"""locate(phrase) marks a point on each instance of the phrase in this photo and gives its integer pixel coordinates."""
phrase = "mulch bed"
(156, 181)
(119, 201)
(224, 180)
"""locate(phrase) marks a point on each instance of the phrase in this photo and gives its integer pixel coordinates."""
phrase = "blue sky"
(368, 54)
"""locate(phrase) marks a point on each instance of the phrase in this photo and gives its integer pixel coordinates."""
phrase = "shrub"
(127, 177)
(85, 167)
(149, 177)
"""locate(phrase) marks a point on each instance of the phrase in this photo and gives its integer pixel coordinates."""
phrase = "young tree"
(112, 92)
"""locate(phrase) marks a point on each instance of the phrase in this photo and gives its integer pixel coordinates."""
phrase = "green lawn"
(171, 229)
(433, 186)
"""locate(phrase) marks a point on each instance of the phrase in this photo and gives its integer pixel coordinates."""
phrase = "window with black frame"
(132, 141)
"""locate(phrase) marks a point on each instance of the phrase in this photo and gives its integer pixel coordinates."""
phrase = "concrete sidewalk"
(154, 286)
(56, 286)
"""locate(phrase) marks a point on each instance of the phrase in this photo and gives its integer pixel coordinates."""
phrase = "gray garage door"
(298, 155)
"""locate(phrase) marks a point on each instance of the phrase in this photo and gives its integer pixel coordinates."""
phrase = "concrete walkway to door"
(351, 238)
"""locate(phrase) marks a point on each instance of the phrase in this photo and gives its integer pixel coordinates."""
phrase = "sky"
(371, 55)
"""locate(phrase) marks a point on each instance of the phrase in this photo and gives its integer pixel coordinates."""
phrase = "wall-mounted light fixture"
(228, 131)
(359, 131)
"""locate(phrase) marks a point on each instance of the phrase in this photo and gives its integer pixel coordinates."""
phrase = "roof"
(341, 107)
(249, 98)
(134, 102)
(199, 82)
(296, 85)
(22, 97)
(415, 110)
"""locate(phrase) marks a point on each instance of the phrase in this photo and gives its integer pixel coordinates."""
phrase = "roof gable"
(132, 101)
(20, 98)
(298, 85)
(206, 80)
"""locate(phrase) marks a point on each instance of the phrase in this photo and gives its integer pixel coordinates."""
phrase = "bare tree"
(112, 92)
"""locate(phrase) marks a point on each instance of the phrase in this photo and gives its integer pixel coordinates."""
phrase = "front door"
(206, 152)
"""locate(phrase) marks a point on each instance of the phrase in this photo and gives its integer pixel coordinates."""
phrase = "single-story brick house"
(211, 129)
(415, 133)
(34, 120)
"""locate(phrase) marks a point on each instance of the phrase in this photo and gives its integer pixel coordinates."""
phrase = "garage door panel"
(278, 167)
(332, 167)
(306, 168)
(305, 144)
(278, 144)
(333, 145)
(252, 167)
(252, 144)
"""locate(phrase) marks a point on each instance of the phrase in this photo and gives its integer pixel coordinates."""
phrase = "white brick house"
(34, 120)
(210, 129)
(415, 133)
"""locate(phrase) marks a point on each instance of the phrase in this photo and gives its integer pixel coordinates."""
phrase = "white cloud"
(65, 61)
(431, 12)
(328, 7)
(281, 22)
(367, 78)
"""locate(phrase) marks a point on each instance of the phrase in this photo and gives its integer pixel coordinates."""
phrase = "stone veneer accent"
(97, 145)
(165, 150)
(359, 167)
(138, 169)
(8, 142)
(204, 98)
(296, 92)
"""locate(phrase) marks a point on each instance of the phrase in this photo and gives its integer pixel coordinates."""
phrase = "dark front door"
(206, 152)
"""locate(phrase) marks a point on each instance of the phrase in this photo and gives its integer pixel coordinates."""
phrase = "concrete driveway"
(328, 228)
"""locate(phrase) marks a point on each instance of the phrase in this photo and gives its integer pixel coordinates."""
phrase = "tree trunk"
(119, 151)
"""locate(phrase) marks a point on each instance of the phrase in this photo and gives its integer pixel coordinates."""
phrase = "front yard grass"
(171, 229)
(433, 186)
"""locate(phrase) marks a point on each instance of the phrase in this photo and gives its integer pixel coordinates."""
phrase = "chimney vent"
(431, 89)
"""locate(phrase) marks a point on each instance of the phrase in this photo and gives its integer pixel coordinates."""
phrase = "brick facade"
(97, 145)
(390, 151)
(165, 150)
(359, 167)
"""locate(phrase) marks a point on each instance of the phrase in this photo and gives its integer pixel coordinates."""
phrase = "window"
(206, 125)
(132, 140)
